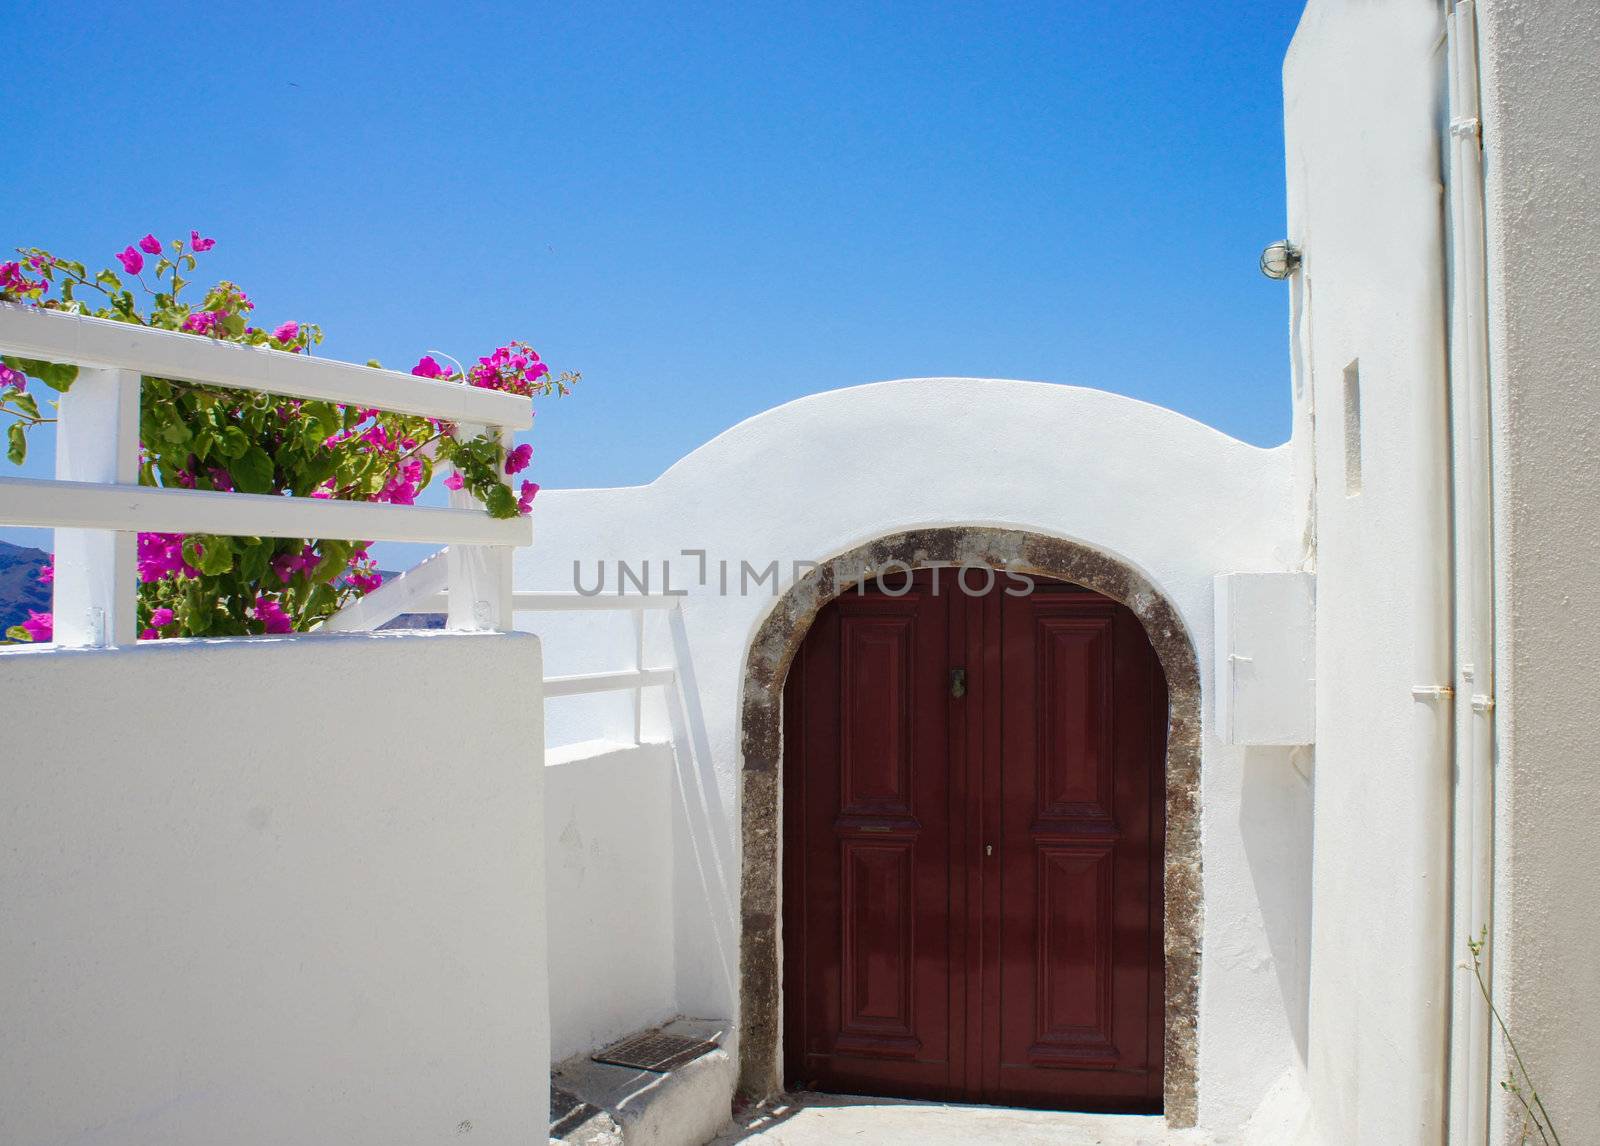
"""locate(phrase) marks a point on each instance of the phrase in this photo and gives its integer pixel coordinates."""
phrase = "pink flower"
(150, 245)
(13, 281)
(159, 619)
(288, 332)
(132, 261)
(286, 565)
(47, 573)
(13, 378)
(160, 555)
(426, 367)
(39, 626)
(196, 243)
(453, 481)
(221, 479)
(530, 489)
(517, 460)
(271, 615)
(204, 321)
(364, 574)
(366, 580)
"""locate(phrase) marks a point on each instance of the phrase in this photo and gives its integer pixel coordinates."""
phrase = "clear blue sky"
(705, 209)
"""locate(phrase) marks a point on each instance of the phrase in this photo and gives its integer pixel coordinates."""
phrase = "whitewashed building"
(1200, 833)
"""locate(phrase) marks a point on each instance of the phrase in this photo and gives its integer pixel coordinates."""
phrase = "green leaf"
(235, 441)
(176, 432)
(58, 376)
(17, 443)
(253, 562)
(18, 633)
(253, 471)
(501, 501)
(108, 280)
(218, 556)
(23, 402)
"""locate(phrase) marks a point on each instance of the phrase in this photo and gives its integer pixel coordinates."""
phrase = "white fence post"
(97, 440)
(638, 666)
(479, 575)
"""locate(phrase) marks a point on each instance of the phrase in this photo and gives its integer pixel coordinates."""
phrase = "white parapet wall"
(608, 847)
(268, 891)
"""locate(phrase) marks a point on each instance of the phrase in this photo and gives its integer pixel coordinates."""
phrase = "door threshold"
(805, 1117)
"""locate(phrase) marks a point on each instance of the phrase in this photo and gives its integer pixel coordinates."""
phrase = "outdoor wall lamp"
(1280, 260)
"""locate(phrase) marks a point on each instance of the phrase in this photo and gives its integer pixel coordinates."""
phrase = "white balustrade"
(97, 507)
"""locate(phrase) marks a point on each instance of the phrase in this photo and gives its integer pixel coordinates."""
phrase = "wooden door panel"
(868, 839)
(1072, 718)
(877, 695)
(1071, 796)
(972, 889)
(879, 969)
(1073, 962)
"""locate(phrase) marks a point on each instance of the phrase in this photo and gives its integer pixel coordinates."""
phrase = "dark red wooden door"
(973, 870)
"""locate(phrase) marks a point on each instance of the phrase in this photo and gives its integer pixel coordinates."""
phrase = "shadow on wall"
(707, 904)
(1275, 824)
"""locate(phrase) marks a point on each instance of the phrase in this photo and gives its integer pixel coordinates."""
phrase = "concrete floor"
(804, 1119)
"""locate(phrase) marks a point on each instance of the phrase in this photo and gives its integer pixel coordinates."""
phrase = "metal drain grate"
(653, 1050)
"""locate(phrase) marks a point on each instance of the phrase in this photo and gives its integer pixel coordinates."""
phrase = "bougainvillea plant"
(216, 438)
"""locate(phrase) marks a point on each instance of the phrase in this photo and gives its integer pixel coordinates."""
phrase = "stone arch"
(773, 647)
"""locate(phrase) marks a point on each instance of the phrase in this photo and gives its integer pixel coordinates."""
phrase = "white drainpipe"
(1473, 561)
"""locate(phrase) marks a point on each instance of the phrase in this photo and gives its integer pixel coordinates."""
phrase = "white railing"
(97, 507)
(424, 589)
(635, 679)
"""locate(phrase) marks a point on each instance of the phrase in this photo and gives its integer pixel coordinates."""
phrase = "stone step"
(603, 1104)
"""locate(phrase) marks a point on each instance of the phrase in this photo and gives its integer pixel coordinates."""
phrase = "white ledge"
(150, 509)
(56, 336)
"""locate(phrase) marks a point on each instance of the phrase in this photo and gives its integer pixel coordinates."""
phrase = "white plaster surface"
(1266, 658)
(1541, 73)
(816, 477)
(1363, 87)
(273, 891)
(608, 841)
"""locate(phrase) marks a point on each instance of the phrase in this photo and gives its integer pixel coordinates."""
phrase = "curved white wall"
(815, 477)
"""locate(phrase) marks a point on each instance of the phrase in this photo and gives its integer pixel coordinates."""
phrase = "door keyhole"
(958, 682)
(988, 849)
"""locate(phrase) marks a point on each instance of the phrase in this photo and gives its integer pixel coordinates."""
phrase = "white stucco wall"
(1541, 87)
(266, 891)
(1363, 115)
(818, 476)
(608, 842)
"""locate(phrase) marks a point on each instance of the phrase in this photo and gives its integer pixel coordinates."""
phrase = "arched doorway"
(774, 646)
(972, 846)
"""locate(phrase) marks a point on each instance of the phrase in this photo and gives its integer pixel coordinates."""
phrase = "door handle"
(958, 682)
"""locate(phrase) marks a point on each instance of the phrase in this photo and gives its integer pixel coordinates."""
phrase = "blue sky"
(705, 209)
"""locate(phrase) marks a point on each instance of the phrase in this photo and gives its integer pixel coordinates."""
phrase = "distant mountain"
(20, 591)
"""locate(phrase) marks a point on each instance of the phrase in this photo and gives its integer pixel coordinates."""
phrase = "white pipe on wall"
(1470, 1039)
